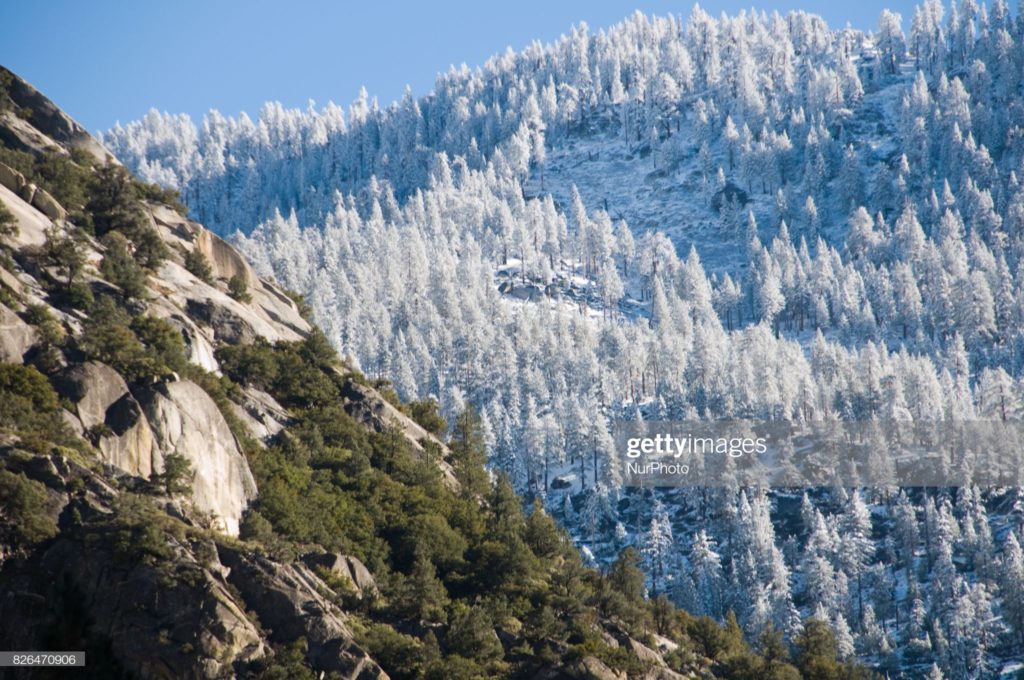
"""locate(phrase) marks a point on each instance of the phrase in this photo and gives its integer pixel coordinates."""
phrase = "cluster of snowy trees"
(918, 583)
(646, 77)
(877, 273)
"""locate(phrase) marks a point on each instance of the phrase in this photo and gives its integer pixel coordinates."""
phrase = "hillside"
(739, 217)
(193, 484)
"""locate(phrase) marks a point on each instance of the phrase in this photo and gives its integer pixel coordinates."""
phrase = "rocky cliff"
(152, 584)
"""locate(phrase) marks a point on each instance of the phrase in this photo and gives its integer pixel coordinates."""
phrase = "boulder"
(272, 316)
(261, 414)
(72, 421)
(16, 336)
(198, 341)
(592, 668)
(186, 420)
(48, 205)
(643, 652)
(287, 599)
(347, 566)
(11, 178)
(529, 291)
(227, 326)
(101, 397)
(32, 224)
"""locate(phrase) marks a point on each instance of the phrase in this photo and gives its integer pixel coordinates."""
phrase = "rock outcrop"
(288, 600)
(370, 408)
(16, 336)
(186, 420)
(104, 405)
(12, 179)
(347, 567)
(31, 223)
(47, 125)
(260, 413)
(173, 617)
(47, 204)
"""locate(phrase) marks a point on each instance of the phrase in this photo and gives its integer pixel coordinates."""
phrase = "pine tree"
(421, 595)
(856, 547)
(1012, 585)
(706, 572)
(658, 548)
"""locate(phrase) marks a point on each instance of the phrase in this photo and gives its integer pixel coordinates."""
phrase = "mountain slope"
(194, 485)
(857, 214)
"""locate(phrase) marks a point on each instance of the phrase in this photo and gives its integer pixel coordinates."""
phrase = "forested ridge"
(753, 217)
(148, 379)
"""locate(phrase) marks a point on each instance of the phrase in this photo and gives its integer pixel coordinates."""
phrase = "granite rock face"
(16, 336)
(288, 600)
(186, 420)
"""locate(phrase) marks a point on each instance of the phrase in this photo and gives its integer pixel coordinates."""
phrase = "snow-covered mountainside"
(745, 217)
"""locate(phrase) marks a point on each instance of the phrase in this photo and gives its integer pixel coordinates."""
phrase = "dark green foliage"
(67, 181)
(159, 194)
(138, 532)
(255, 364)
(471, 635)
(177, 476)
(113, 342)
(239, 289)
(114, 206)
(28, 384)
(24, 518)
(47, 357)
(144, 347)
(425, 413)
(293, 370)
(816, 655)
(113, 202)
(29, 409)
(421, 596)
(402, 655)
(6, 79)
(255, 527)
(469, 453)
(624, 595)
(62, 251)
(121, 269)
(545, 538)
(50, 330)
(150, 250)
(197, 263)
(163, 343)
(384, 388)
(22, 161)
(78, 296)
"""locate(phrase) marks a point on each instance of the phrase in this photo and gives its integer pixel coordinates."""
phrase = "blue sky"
(109, 61)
